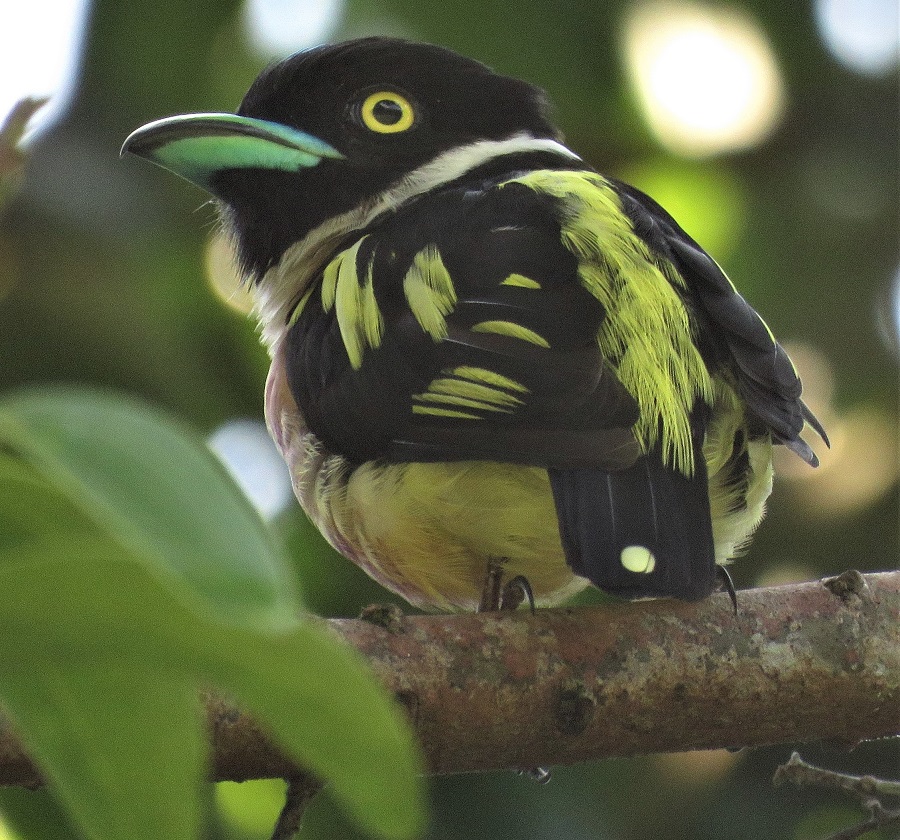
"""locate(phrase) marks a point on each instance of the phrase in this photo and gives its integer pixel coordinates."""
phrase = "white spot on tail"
(636, 558)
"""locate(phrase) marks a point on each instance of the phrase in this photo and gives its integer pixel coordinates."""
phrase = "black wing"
(732, 333)
(504, 365)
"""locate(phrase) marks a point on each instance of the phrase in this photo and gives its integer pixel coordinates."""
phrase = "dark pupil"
(387, 112)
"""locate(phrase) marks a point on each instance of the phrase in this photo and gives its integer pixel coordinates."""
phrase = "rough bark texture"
(798, 663)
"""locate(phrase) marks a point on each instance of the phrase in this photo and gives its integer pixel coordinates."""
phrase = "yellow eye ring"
(387, 112)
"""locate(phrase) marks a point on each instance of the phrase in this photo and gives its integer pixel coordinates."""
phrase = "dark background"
(103, 281)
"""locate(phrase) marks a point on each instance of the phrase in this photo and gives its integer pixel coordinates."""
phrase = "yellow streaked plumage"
(488, 377)
(511, 329)
(437, 411)
(736, 510)
(647, 332)
(521, 281)
(429, 292)
(464, 393)
(359, 318)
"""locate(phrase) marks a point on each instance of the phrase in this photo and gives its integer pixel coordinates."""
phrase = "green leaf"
(250, 807)
(102, 655)
(160, 493)
(121, 744)
(323, 705)
(109, 715)
(98, 610)
(29, 506)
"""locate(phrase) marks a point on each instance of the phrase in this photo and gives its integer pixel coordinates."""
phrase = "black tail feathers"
(641, 532)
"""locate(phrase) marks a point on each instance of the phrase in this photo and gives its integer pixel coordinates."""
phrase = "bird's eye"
(387, 112)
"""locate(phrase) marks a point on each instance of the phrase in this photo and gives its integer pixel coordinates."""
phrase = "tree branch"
(489, 691)
(867, 789)
(863, 788)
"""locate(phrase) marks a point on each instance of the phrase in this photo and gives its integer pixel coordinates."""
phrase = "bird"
(492, 366)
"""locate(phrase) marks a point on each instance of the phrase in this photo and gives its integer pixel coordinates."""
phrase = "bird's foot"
(727, 584)
(515, 593)
(495, 595)
(491, 592)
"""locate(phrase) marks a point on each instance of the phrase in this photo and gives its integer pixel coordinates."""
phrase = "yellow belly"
(428, 531)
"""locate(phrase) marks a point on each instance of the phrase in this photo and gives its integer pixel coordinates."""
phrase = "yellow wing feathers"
(360, 321)
(511, 329)
(462, 393)
(647, 335)
(430, 292)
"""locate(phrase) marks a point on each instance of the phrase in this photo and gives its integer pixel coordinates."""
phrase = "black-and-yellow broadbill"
(487, 358)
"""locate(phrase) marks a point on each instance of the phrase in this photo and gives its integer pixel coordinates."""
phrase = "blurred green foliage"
(133, 573)
(102, 281)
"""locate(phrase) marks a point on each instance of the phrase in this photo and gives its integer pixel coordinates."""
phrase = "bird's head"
(333, 129)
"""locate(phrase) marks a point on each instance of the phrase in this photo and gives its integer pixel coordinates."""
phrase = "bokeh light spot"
(248, 453)
(895, 310)
(6, 833)
(706, 76)
(862, 464)
(223, 276)
(277, 27)
(864, 35)
(40, 47)
(861, 467)
(697, 768)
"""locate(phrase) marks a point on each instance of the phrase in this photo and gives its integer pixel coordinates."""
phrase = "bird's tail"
(645, 531)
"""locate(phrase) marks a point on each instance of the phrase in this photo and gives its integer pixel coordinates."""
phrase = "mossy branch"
(798, 663)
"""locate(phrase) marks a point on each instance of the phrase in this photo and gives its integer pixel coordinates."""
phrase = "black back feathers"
(516, 374)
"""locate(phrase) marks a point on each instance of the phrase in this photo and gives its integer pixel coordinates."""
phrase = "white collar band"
(281, 286)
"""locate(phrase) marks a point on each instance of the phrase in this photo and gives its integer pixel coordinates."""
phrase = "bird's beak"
(198, 146)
